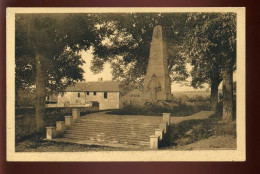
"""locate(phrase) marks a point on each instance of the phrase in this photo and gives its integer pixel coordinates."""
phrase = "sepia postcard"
(126, 84)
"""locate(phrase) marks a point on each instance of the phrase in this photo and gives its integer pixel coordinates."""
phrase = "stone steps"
(85, 137)
(106, 143)
(141, 135)
(116, 140)
(114, 123)
(110, 132)
(99, 127)
(113, 129)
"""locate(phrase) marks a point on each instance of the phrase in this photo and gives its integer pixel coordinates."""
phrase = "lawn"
(201, 134)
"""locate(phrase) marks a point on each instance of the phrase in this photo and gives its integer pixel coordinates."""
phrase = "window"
(94, 93)
(87, 93)
(78, 95)
(105, 94)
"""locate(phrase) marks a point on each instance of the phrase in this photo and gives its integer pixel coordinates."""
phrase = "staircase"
(110, 130)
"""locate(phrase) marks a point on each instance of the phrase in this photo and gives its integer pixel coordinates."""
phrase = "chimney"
(100, 79)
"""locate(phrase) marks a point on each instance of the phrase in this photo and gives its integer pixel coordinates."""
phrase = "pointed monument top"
(157, 32)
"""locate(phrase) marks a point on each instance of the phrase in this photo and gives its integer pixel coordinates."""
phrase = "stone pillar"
(159, 132)
(163, 126)
(154, 142)
(68, 120)
(166, 118)
(157, 67)
(60, 126)
(50, 132)
(75, 113)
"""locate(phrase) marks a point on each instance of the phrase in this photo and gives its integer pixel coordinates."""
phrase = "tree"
(128, 45)
(47, 52)
(210, 45)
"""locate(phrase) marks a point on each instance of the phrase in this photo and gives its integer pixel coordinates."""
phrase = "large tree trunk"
(40, 94)
(227, 95)
(214, 94)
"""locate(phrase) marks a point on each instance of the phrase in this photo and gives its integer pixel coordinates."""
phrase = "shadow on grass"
(190, 131)
(37, 144)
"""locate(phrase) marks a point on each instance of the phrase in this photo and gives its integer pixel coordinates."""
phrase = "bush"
(24, 128)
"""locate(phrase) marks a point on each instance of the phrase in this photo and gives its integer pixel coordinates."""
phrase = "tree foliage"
(59, 37)
(47, 52)
(212, 36)
(128, 45)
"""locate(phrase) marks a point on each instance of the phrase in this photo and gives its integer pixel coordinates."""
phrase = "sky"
(106, 74)
(90, 76)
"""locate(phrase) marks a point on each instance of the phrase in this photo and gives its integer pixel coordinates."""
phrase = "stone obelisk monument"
(157, 82)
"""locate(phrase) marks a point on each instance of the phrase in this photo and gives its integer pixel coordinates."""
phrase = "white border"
(160, 155)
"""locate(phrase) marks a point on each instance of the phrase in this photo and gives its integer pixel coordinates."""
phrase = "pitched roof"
(109, 86)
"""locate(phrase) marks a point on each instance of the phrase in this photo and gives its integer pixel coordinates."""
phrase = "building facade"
(105, 93)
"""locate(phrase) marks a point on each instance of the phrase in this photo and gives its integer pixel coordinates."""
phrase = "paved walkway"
(104, 117)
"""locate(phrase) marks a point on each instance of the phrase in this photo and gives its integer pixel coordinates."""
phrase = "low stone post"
(60, 126)
(75, 113)
(166, 118)
(50, 132)
(163, 126)
(159, 132)
(68, 120)
(154, 142)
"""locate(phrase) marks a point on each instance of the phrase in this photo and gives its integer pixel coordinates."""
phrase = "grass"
(25, 126)
(192, 131)
(37, 144)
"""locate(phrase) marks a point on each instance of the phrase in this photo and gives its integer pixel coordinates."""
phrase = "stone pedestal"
(159, 132)
(68, 120)
(60, 126)
(75, 113)
(154, 142)
(50, 132)
(163, 126)
(166, 118)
